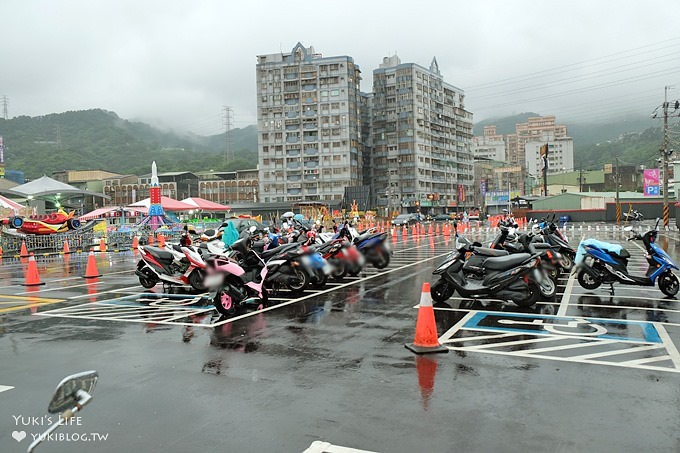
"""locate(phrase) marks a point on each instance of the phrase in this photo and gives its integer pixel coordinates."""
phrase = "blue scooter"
(602, 262)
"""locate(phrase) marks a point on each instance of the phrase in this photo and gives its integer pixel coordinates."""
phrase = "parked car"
(442, 218)
(405, 219)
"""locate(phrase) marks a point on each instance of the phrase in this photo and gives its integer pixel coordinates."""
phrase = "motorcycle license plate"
(387, 245)
(213, 280)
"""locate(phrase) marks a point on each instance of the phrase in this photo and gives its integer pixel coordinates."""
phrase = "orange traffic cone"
(67, 249)
(24, 251)
(426, 339)
(135, 243)
(91, 271)
(32, 274)
(161, 240)
(150, 239)
(102, 245)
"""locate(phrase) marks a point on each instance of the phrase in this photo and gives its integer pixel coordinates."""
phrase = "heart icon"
(18, 435)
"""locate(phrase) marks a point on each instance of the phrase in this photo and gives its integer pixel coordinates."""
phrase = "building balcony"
(311, 138)
(293, 166)
(291, 76)
(292, 114)
(292, 139)
(311, 164)
(292, 101)
(311, 151)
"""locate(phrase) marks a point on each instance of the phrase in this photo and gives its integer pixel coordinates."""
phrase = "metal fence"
(52, 243)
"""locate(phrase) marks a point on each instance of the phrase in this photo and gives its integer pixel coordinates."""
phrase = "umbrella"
(288, 214)
(299, 217)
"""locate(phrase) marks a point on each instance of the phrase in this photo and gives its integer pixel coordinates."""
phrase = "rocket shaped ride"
(155, 208)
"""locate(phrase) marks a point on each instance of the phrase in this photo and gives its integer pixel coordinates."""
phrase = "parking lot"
(586, 371)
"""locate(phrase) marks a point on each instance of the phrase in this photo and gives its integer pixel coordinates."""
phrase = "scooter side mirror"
(628, 229)
(68, 392)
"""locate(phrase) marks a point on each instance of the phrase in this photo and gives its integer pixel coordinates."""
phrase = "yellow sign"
(100, 227)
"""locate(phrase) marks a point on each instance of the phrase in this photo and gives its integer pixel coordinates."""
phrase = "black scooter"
(510, 277)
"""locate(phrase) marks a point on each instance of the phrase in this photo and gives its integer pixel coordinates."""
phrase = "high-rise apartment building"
(309, 143)
(421, 138)
(490, 145)
(536, 129)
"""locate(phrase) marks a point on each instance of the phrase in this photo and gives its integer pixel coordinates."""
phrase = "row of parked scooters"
(261, 262)
(520, 267)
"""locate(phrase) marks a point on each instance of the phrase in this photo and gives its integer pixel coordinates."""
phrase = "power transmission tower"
(5, 102)
(228, 116)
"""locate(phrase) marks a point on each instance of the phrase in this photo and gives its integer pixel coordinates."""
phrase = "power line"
(599, 60)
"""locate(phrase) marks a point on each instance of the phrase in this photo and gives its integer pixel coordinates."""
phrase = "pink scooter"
(234, 287)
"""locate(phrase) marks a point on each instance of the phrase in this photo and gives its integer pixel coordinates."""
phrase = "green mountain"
(98, 139)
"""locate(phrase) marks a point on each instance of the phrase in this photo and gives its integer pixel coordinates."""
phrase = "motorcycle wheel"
(587, 281)
(197, 280)
(533, 293)
(339, 270)
(149, 280)
(668, 284)
(548, 287)
(320, 283)
(224, 302)
(382, 260)
(299, 282)
(441, 291)
(567, 262)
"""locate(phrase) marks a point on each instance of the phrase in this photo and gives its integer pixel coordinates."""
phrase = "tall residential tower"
(421, 138)
(309, 142)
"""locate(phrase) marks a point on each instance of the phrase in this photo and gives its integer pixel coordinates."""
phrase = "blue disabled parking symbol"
(610, 329)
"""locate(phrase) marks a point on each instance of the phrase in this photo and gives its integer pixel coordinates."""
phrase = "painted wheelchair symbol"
(570, 328)
(168, 302)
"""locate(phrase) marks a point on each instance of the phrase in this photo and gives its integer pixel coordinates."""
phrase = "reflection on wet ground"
(332, 365)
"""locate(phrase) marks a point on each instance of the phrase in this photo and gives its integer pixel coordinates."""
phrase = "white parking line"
(4, 388)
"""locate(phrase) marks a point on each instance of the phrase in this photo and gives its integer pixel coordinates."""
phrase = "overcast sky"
(176, 63)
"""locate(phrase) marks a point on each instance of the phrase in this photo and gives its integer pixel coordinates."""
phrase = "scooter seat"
(486, 251)
(159, 253)
(501, 263)
(622, 254)
(276, 250)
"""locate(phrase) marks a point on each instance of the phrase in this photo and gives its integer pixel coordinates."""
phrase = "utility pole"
(665, 153)
(228, 115)
(617, 181)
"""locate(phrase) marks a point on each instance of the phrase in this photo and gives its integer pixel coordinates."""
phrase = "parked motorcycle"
(376, 247)
(554, 236)
(162, 265)
(601, 262)
(634, 216)
(232, 286)
(509, 277)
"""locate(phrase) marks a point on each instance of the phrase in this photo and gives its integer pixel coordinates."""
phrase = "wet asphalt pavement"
(332, 366)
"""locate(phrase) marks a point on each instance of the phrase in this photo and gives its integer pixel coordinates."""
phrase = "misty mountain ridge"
(100, 139)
